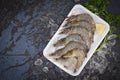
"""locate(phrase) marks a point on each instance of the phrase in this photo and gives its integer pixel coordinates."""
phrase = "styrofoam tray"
(77, 9)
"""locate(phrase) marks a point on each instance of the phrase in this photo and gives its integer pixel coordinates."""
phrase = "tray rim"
(83, 65)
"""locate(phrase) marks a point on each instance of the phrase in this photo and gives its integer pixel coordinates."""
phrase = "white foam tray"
(77, 9)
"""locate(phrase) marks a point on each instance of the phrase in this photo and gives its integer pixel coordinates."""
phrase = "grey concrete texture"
(25, 29)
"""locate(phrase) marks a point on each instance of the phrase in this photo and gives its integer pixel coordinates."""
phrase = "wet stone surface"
(25, 30)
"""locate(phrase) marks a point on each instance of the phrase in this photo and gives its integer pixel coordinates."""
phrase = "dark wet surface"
(25, 29)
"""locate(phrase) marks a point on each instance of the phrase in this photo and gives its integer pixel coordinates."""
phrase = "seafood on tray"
(79, 30)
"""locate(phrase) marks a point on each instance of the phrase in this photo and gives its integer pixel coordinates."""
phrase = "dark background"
(26, 26)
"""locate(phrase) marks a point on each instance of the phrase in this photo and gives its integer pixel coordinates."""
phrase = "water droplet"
(45, 69)
(38, 62)
(113, 36)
